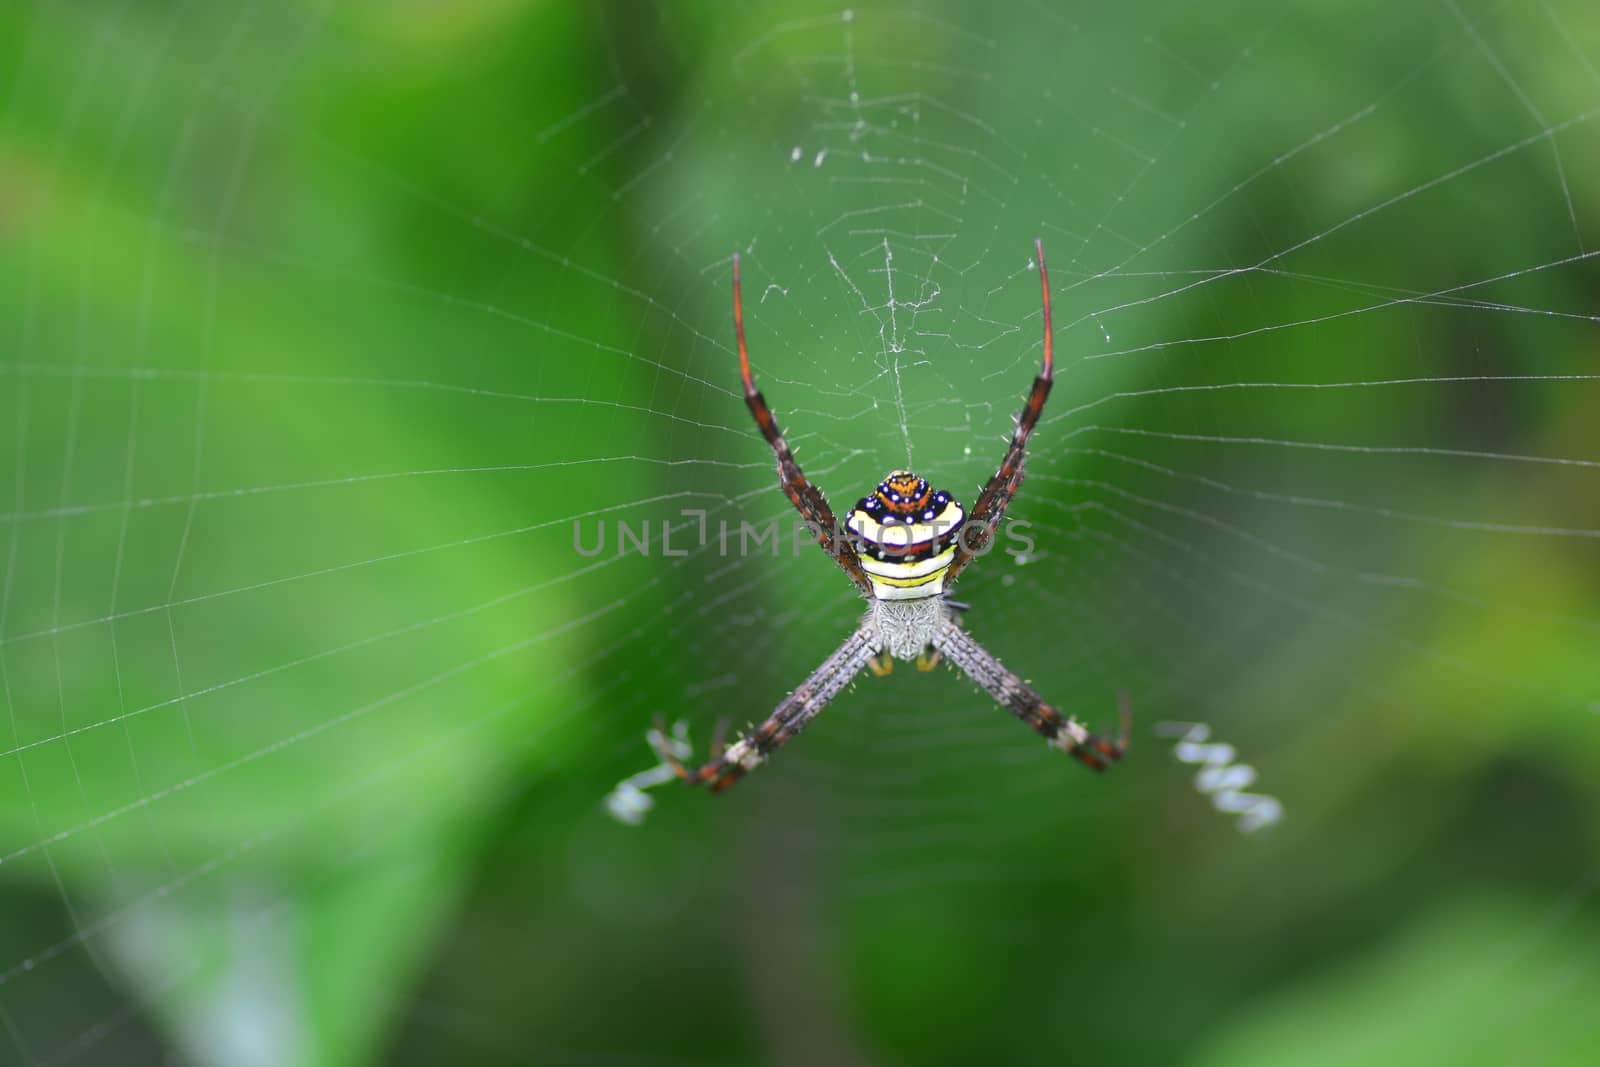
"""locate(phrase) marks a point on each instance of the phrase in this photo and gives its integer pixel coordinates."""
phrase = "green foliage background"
(323, 322)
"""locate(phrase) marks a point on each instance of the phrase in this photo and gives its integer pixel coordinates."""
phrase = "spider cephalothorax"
(903, 545)
(906, 533)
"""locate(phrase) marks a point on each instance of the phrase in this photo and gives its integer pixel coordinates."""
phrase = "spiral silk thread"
(1219, 777)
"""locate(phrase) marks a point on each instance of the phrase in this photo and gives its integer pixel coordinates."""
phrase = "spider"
(903, 545)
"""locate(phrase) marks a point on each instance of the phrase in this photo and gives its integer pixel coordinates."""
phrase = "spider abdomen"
(906, 531)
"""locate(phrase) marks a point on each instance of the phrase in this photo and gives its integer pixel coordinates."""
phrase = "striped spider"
(903, 546)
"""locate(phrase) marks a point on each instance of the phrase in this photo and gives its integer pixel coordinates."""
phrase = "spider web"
(335, 331)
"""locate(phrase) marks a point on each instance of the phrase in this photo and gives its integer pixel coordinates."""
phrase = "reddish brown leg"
(725, 767)
(807, 498)
(995, 497)
(1017, 697)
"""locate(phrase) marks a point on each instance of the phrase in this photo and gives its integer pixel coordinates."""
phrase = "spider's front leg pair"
(725, 767)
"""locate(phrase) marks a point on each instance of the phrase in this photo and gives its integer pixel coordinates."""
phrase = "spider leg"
(719, 734)
(787, 719)
(1065, 733)
(807, 498)
(995, 497)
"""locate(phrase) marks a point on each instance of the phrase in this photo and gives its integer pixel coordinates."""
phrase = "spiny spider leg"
(807, 498)
(1067, 734)
(719, 734)
(992, 502)
(787, 719)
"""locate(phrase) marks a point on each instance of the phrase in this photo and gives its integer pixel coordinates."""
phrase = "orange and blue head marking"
(906, 531)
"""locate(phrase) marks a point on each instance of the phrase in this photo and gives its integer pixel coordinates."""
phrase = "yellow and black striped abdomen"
(906, 532)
